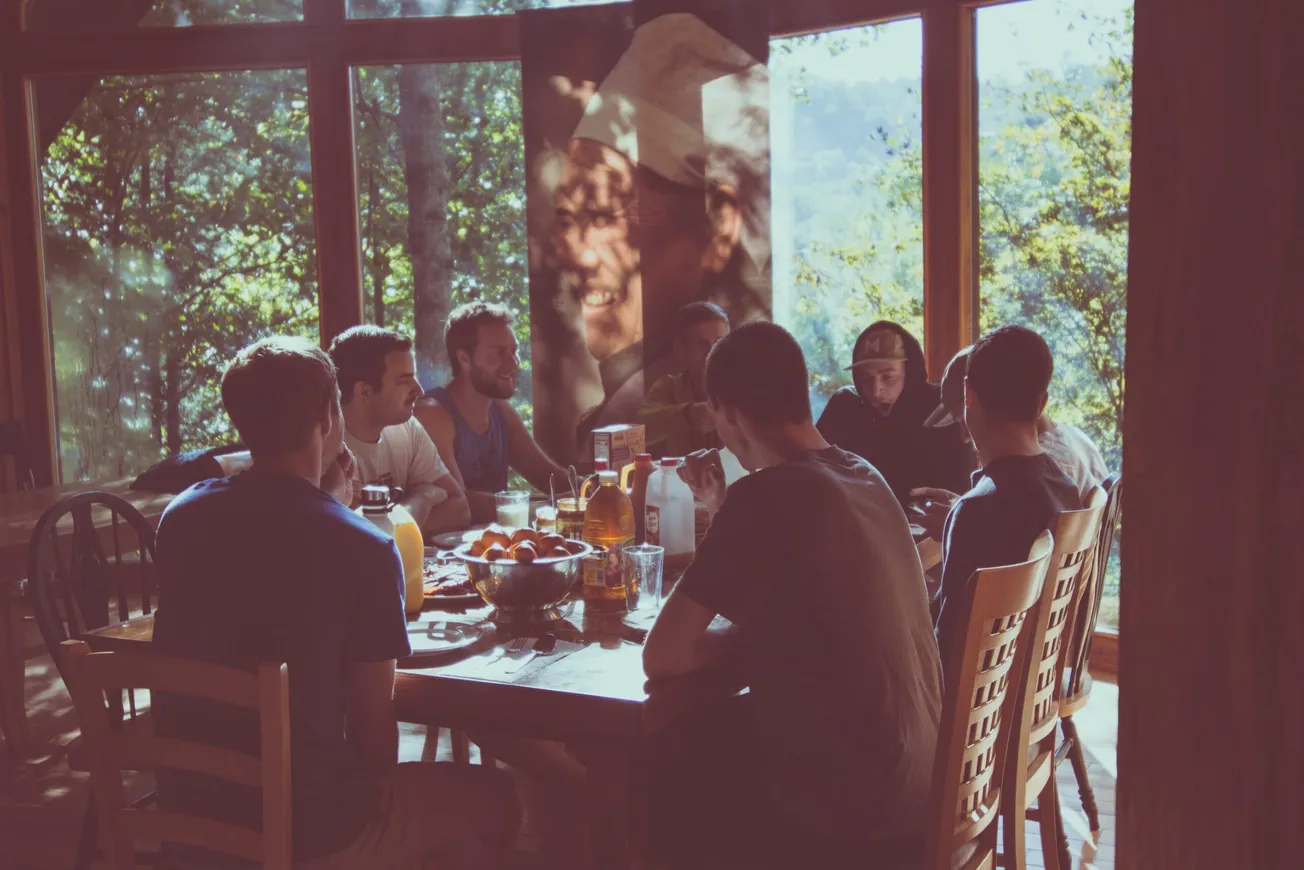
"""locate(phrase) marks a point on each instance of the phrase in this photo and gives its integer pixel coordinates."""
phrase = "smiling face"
(494, 364)
(594, 236)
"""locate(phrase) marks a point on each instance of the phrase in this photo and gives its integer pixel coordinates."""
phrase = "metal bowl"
(523, 592)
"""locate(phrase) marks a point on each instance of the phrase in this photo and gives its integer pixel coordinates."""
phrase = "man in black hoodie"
(881, 417)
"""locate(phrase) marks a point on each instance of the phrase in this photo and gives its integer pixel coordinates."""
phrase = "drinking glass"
(643, 565)
(545, 519)
(513, 508)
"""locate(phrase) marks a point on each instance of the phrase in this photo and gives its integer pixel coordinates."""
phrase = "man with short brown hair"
(266, 566)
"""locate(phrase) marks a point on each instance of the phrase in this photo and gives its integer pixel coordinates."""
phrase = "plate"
(439, 637)
(448, 571)
(453, 540)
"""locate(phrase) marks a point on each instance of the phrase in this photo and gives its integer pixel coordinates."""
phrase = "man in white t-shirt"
(1068, 446)
(378, 389)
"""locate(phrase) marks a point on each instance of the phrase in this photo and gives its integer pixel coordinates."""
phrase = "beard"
(488, 384)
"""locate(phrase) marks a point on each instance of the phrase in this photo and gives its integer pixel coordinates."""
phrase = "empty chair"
(1030, 776)
(971, 745)
(94, 677)
(1076, 690)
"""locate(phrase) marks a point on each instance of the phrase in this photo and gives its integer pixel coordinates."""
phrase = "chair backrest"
(1036, 708)
(1076, 667)
(83, 578)
(13, 444)
(94, 678)
(994, 608)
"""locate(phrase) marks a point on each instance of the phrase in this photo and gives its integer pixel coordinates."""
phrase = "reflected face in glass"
(494, 364)
(399, 390)
(880, 383)
(593, 232)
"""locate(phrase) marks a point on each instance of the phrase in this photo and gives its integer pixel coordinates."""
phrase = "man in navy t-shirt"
(1019, 492)
(269, 566)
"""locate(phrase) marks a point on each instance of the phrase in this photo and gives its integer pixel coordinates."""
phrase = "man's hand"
(337, 477)
(700, 417)
(704, 474)
(933, 506)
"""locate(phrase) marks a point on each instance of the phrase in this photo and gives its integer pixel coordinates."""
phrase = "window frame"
(327, 43)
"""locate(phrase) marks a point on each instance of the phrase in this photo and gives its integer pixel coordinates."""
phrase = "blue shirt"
(481, 456)
(262, 567)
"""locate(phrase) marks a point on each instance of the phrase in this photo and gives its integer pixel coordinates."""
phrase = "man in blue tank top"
(478, 433)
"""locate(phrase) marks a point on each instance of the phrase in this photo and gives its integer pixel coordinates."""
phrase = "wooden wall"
(1211, 738)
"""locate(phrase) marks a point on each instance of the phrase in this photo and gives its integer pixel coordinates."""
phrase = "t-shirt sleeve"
(736, 561)
(426, 466)
(965, 553)
(379, 626)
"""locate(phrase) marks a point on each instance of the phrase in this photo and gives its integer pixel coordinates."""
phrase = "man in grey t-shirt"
(811, 558)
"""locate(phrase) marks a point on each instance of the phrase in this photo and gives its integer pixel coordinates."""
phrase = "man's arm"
(440, 506)
(371, 722)
(662, 416)
(680, 642)
(527, 457)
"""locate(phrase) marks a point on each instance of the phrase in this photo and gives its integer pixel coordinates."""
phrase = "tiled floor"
(42, 801)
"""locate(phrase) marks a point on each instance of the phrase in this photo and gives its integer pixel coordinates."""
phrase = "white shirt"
(404, 456)
(1076, 456)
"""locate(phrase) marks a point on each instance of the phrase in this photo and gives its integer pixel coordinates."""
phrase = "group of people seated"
(810, 559)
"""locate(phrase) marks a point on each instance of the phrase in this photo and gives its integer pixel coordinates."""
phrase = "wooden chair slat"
(126, 670)
(143, 752)
(153, 826)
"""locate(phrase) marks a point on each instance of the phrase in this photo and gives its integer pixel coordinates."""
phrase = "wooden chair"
(971, 744)
(81, 581)
(1076, 688)
(93, 678)
(1030, 774)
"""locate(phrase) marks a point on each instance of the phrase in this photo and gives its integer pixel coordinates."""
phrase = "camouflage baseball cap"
(951, 410)
(878, 345)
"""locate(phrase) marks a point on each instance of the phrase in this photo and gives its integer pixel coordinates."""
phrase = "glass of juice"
(513, 508)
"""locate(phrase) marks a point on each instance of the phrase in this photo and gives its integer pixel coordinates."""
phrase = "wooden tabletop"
(21, 511)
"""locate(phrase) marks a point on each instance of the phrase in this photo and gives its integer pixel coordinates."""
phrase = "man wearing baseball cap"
(880, 417)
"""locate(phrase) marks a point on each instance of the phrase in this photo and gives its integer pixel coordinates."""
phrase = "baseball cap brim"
(940, 418)
(867, 360)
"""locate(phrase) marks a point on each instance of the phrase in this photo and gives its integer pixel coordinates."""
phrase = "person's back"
(814, 559)
(266, 567)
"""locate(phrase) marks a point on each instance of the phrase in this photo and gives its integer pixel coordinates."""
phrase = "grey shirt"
(814, 559)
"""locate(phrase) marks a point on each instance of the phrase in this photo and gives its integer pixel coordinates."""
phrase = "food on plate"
(445, 579)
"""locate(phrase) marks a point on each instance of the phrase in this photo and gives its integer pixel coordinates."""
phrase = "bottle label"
(652, 524)
(603, 569)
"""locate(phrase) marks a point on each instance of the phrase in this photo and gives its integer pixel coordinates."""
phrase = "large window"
(178, 228)
(432, 8)
(441, 182)
(1055, 132)
(848, 214)
(78, 16)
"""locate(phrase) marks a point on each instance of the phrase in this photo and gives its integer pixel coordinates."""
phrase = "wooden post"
(334, 177)
(950, 158)
(1210, 756)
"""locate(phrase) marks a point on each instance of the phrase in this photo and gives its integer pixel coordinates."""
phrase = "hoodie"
(907, 454)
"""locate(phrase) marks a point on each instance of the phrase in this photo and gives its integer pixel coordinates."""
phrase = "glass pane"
(178, 229)
(847, 225)
(441, 180)
(435, 8)
(93, 16)
(1055, 132)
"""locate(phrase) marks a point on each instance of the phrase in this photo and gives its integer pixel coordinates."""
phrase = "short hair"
(1009, 370)
(760, 370)
(359, 354)
(698, 312)
(275, 391)
(463, 329)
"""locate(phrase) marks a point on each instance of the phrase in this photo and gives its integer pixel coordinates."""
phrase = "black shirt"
(1013, 500)
(269, 568)
(908, 454)
(814, 560)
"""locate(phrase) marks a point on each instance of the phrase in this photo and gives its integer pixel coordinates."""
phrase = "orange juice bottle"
(608, 525)
(395, 521)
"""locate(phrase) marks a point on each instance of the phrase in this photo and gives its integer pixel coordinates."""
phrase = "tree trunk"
(377, 260)
(421, 132)
(172, 379)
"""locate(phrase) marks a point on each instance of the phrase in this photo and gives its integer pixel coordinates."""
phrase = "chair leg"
(430, 747)
(88, 842)
(1054, 848)
(13, 713)
(461, 746)
(1085, 792)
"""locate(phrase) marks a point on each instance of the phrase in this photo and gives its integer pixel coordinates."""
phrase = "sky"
(1011, 38)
